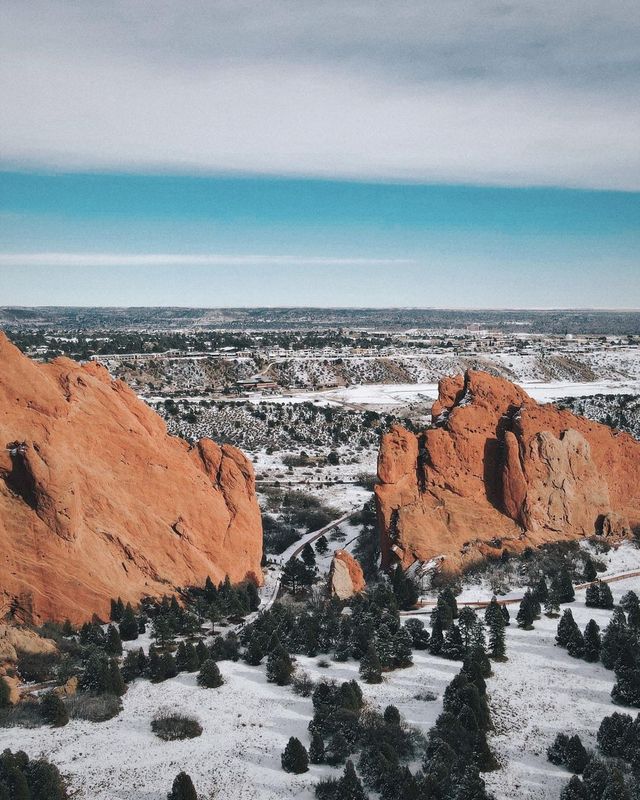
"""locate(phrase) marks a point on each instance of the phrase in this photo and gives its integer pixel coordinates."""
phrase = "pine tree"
(551, 605)
(614, 734)
(592, 596)
(370, 668)
(591, 642)
(436, 641)
(557, 752)
(279, 667)
(117, 685)
(626, 689)
(167, 667)
(505, 615)
(254, 653)
(131, 668)
(590, 572)
(613, 639)
(183, 788)
(349, 785)
(117, 609)
(210, 676)
(629, 600)
(114, 644)
(497, 643)
(181, 656)
(605, 596)
(541, 591)
(153, 665)
(201, 652)
(316, 749)
(576, 757)
(419, 634)
(566, 628)
(294, 758)
(128, 626)
(615, 788)
(575, 645)
(308, 556)
(322, 545)
(563, 587)
(453, 646)
(253, 596)
(53, 710)
(574, 790)
(402, 656)
(471, 787)
(526, 612)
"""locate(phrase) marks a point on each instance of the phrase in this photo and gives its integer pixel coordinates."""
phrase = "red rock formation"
(345, 576)
(97, 500)
(500, 471)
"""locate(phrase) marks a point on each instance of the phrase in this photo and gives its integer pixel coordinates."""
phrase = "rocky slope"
(97, 500)
(500, 471)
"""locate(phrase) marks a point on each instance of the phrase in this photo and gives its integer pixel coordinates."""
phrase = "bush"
(173, 727)
(25, 714)
(53, 710)
(37, 667)
(302, 684)
(94, 708)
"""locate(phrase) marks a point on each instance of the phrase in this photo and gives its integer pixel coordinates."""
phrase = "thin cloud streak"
(186, 259)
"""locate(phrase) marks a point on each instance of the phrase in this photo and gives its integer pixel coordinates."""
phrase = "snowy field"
(541, 691)
(394, 395)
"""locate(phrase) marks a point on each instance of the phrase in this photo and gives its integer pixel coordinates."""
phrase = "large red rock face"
(97, 500)
(500, 471)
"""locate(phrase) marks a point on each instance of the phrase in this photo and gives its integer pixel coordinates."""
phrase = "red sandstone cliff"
(97, 500)
(500, 471)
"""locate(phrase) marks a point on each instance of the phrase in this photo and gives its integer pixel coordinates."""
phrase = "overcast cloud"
(527, 93)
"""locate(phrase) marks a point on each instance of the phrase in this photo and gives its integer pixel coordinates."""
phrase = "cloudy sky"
(411, 153)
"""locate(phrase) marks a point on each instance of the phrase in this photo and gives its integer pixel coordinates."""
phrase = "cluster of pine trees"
(22, 778)
(618, 647)
(618, 777)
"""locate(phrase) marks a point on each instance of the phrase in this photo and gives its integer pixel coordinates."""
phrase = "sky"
(467, 153)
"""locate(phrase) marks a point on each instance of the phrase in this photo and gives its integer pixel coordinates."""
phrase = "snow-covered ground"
(541, 691)
(394, 395)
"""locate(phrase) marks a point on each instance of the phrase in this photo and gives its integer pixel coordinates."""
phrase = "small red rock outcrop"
(98, 501)
(499, 471)
(345, 576)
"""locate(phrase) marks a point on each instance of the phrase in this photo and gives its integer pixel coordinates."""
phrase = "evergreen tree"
(114, 644)
(201, 652)
(551, 605)
(576, 757)
(614, 639)
(590, 572)
(308, 556)
(349, 785)
(166, 668)
(629, 600)
(626, 689)
(566, 627)
(541, 591)
(402, 656)
(209, 676)
(254, 653)
(128, 626)
(591, 642)
(606, 598)
(183, 788)
(316, 749)
(557, 752)
(614, 735)
(295, 576)
(117, 609)
(132, 667)
(453, 646)
(294, 758)
(595, 778)
(436, 641)
(53, 710)
(253, 596)
(574, 790)
(526, 612)
(592, 596)
(117, 685)
(497, 643)
(370, 669)
(471, 787)
(279, 666)
(419, 634)
(575, 645)
(505, 615)
(322, 545)
(563, 587)
(153, 665)
(615, 788)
